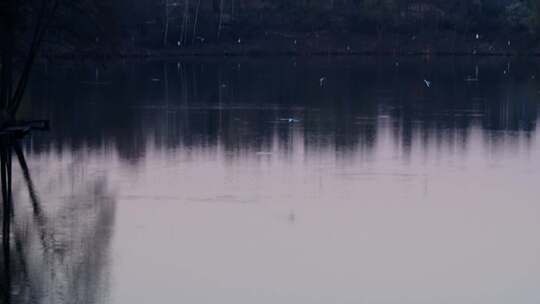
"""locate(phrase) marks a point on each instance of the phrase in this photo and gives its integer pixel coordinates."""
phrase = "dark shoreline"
(163, 55)
(322, 44)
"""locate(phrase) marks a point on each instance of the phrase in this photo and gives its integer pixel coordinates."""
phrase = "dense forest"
(286, 26)
(34, 29)
(251, 26)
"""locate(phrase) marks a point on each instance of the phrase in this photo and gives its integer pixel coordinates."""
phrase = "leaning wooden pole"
(36, 205)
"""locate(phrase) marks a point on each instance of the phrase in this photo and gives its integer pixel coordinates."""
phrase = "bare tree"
(10, 99)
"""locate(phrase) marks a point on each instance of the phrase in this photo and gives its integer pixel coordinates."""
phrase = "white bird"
(294, 41)
(477, 36)
(239, 40)
(428, 83)
(321, 81)
(178, 43)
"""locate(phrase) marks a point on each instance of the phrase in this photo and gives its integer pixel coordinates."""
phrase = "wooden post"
(6, 216)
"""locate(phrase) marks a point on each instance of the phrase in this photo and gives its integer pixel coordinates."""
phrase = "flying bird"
(428, 83)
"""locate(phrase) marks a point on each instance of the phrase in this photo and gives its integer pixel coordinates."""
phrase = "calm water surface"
(281, 181)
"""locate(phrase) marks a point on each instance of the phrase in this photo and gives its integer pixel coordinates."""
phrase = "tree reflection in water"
(52, 252)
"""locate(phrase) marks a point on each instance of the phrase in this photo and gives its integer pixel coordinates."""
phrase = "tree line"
(182, 23)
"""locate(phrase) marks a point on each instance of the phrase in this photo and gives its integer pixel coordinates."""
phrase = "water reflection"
(245, 181)
(55, 250)
(244, 105)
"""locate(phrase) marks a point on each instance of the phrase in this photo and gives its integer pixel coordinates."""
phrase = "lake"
(280, 180)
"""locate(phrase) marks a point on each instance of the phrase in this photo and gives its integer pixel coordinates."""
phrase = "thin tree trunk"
(220, 18)
(185, 23)
(6, 82)
(195, 22)
(166, 25)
